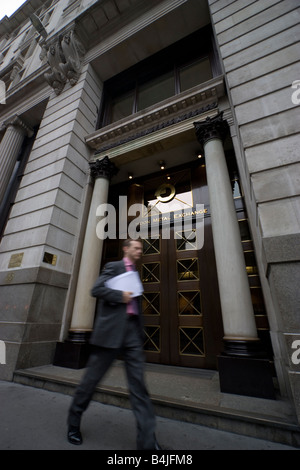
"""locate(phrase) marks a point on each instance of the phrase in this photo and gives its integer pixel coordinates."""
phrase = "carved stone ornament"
(55, 78)
(103, 168)
(65, 59)
(212, 128)
(73, 52)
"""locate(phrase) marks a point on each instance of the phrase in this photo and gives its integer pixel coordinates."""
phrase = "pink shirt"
(129, 265)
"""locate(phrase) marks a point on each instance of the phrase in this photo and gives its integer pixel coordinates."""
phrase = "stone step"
(189, 395)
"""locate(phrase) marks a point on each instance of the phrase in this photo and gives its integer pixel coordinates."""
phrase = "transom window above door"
(168, 193)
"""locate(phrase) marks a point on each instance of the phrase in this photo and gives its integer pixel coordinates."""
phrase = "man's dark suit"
(116, 331)
(111, 312)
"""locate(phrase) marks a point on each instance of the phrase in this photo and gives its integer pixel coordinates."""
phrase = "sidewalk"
(34, 417)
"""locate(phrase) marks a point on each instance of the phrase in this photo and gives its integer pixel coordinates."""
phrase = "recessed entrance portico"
(175, 277)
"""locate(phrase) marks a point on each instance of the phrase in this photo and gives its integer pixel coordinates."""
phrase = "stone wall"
(258, 42)
(46, 218)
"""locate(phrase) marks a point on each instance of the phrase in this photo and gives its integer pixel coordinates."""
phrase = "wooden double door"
(181, 305)
(180, 308)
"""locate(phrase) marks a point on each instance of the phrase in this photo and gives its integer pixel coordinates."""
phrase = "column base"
(244, 348)
(246, 376)
(74, 352)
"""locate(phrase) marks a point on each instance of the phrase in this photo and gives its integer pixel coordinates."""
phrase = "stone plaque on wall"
(15, 260)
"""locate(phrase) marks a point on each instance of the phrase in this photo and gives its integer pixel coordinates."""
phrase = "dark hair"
(129, 240)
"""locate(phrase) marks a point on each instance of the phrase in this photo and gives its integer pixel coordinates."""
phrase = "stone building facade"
(149, 101)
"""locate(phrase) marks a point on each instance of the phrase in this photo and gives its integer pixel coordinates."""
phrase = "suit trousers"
(99, 362)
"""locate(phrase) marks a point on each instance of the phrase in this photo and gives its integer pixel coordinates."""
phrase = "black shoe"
(74, 436)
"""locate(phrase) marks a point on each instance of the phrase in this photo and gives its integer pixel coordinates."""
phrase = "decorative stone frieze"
(170, 112)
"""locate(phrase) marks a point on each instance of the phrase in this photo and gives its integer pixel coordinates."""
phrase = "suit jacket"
(111, 313)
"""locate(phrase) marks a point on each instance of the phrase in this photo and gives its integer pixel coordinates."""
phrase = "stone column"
(240, 333)
(10, 148)
(74, 351)
(84, 304)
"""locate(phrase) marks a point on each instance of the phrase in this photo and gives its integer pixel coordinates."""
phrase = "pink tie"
(132, 305)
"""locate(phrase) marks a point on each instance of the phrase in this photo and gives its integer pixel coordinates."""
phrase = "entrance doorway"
(181, 308)
(181, 305)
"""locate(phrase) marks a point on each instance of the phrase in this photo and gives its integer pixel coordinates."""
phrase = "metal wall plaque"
(15, 260)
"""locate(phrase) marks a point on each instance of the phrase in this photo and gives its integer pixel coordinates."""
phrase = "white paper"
(126, 282)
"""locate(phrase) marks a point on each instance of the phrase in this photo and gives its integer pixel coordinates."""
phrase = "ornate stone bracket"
(73, 52)
(64, 55)
(103, 168)
(54, 58)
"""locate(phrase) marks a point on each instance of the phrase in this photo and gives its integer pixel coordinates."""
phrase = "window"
(122, 106)
(156, 90)
(195, 73)
(173, 70)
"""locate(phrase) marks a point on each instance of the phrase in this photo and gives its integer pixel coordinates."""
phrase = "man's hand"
(127, 297)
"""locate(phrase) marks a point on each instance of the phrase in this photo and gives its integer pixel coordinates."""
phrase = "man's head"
(133, 249)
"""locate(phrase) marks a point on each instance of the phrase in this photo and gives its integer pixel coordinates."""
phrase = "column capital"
(103, 168)
(212, 128)
(16, 121)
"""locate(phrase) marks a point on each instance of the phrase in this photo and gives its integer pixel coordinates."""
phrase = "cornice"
(170, 112)
(26, 94)
(9, 24)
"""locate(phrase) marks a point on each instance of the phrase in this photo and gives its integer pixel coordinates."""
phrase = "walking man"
(118, 328)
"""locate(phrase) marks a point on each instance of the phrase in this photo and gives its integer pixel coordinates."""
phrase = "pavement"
(35, 419)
